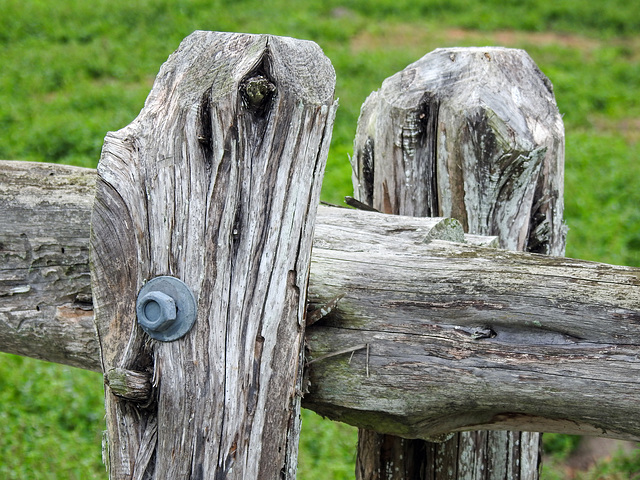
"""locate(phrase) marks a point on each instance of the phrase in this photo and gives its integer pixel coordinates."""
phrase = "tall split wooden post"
(473, 134)
(216, 184)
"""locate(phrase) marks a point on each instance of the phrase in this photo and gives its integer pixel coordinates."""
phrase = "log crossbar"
(460, 336)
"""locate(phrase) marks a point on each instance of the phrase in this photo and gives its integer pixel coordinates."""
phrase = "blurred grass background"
(71, 71)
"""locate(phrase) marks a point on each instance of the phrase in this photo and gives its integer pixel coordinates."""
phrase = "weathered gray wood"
(45, 288)
(216, 182)
(548, 311)
(52, 204)
(474, 134)
(463, 337)
(456, 134)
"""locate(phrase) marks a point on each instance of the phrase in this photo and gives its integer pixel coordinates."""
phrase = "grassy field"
(71, 71)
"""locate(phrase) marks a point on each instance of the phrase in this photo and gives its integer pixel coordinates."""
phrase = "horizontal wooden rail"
(426, 336)
(460, 337)
(46, 309)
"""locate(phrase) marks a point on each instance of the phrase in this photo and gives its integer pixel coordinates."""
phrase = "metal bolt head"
(156, 311)
(166, 308)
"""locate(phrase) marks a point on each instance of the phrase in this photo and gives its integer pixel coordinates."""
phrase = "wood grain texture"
(45, 289)
(566, 317)
(469, 133)
(216, 182)
(464, 337)
(55, 202)
(473, 134)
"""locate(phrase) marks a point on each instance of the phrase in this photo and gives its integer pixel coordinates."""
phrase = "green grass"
(71, 71)
(620, 465)
(51, 421)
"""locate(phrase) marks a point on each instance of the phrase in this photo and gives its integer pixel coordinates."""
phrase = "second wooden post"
(473, 134)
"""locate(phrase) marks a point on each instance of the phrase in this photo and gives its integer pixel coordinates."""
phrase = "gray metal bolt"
(156, 311)
(166, 308)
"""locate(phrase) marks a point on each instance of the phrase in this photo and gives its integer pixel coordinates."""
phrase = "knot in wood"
(257, 91)
(129, 384)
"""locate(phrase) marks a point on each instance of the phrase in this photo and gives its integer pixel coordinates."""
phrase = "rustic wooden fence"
(443, 349)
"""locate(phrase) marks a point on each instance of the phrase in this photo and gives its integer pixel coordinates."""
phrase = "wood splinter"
(321, 312)
(342, 352)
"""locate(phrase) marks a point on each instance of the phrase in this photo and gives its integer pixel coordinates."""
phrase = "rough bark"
(473, 134)
(216, 183)
(46, 309)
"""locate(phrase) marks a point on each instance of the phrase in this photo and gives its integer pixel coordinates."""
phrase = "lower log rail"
(462, 338)
(459, 336)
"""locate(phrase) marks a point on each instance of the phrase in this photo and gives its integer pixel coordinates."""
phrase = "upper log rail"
(460, 336)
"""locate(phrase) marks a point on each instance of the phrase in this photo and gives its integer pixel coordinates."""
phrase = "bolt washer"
(186, 309)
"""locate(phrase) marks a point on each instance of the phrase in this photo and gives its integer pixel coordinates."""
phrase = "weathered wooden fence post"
(215, 183)
(473, 134)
